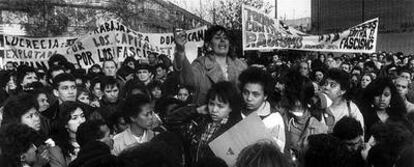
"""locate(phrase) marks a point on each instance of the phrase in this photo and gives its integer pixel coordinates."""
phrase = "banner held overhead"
(261, 32)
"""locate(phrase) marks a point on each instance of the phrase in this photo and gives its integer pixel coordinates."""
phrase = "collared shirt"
(126, 139)
(273, 122)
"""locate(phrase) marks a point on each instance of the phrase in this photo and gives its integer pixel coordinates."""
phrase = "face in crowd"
(152, 59)
(330, 62)
(346, 68)
(109, 68)
(354, 144)
(253, 95)
(383, 100)
(402, 86)
(29, 78)
(406, 75)
(319, 76)
(220, 43)
(156, 92)
(160, 73)
(304, 69)
(365, 80)
(218, 109)
(76, 118)
(66, 91)
(42, 100)
(84, 98)
(31, 118)
(143, 75)
(144, 118)
(131, 64)
(333, 89)
(111, 93)
(10, 66)
(183, 94)
(97, 90)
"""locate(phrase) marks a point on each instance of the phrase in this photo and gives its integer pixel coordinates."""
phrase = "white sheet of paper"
(248, 131)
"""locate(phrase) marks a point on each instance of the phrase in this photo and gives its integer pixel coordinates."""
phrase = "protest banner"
(115, 41)
(261, 31)
(109, 41)
(248, 131)
(32, 51)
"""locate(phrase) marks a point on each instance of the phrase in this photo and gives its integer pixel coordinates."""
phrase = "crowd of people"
(350, 110)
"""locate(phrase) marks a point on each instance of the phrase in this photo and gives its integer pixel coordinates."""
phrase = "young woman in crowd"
(95, 89)
(23, 109)
(83, 95)
(219, 64)
(156, 88)
(42, 99)
(318, 75)
(138, 114)
(357, 92)
(184, 94)
(382, 104)
(20, 147)
(223, 107)
(71, 115)
(337, 88)
(256, 87)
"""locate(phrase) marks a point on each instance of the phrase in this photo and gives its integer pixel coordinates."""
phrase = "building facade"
(396, 20)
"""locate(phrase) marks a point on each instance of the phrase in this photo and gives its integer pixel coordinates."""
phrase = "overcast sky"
(291, 8)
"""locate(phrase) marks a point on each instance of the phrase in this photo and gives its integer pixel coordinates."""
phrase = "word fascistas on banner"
(262, 32)
(114, 41)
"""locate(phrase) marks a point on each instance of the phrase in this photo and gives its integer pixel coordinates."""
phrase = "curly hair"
(90, 131)
(17, 106)
(22, 71)
(347, 128)
(133, 106)
(298, 89)
(258, 76)
(263, 154)
(213, 30)
(226, 92)
(326, 151)
(15, 140)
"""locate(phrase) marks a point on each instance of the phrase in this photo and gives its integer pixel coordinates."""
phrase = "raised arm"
(181, 63)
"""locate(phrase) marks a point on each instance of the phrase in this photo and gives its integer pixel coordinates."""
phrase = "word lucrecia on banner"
(109, 41)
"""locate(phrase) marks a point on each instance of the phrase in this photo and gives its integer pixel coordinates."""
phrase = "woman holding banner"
(218, 64)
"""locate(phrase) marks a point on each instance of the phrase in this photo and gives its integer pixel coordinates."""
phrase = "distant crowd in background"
(320, 109)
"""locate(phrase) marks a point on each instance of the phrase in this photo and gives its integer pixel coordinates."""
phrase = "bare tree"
(228, 13)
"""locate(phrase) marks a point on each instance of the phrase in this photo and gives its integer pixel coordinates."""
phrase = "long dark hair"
(59, 133)
(397, 108)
